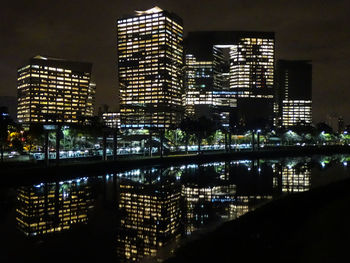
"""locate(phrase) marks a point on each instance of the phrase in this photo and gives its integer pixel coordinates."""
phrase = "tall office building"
(151, 218)
(232, 71)
(54, 90)
(294, 92)
(197, 79)
(150, 54)
(202, 96)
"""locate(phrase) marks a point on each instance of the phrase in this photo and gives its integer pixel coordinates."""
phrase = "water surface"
(145, 214)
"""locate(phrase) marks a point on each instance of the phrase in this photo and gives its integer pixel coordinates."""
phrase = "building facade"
(111, 119)
(294, 92)
(150, 55)
(54, 90)
(234, 67)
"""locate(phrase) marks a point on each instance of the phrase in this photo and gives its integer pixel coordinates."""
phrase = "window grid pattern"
(149, 64)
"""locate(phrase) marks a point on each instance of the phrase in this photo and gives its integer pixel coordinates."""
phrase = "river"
(145, 214)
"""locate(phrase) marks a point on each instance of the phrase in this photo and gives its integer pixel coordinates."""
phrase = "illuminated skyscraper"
(252, 77)
(197, 79)
(232, 71)
(150, 54)
(52, 207)
(294, 92)
(199, 83)
(51, 89)
(151, 218)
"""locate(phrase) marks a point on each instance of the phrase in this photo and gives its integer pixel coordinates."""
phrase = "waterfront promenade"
(31, 172)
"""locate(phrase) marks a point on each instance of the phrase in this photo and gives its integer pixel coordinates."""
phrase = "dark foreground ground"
(312, 226)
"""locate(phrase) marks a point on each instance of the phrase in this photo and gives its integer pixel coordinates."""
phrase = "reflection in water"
(52, 207)
(200, 204)
(296, 179)
(210, 193)
(150, 217)
(156, 205)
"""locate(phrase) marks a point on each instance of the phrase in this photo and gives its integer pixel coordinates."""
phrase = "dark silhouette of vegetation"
(323, 127)
(5, 120)
(187, 125)
(203, 128)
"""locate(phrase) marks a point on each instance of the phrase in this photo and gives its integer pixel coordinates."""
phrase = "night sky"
(86, 31)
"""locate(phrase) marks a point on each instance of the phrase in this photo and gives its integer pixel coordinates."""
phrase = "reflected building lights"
(158, 206)
(201, 204)
(296, 179)
(52, 207)
(151, 218)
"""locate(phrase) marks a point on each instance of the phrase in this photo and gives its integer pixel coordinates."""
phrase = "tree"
(291, 137)
(17, 144)
(188, 125)
(203, 128)
(4, 121)
(175, 137)
(216, 137)
(33, 136)
(323, 127)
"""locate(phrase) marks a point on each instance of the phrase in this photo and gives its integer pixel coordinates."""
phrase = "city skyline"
(318, 36)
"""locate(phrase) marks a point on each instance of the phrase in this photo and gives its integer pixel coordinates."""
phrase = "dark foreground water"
(145, 214)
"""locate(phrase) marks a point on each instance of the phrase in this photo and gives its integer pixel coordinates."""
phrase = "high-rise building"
(294, 92)
(54, 90)
(151, 218)
(150, 55)
(200, 97)
(197, 79)
(235, 67)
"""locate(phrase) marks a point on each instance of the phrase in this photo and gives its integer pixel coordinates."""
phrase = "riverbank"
(311, 226)
(12, 173)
